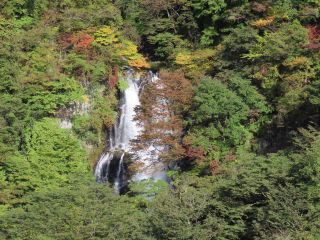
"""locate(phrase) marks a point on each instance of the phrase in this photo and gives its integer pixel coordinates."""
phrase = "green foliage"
(93, 70)
(254, 198)
(239, 41)
(84, 128)
(213, 101)
(53, 159)
(287, 41)
(206, 8)
(313, 90)
(208, 12)
(90, 126)
(122, 85)
(103, 113)
(15, 7)
(167, 44)
(82, 211)
(147, 189)
(221, 113)
(41, 78)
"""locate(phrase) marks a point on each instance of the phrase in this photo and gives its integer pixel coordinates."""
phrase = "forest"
(237, 105)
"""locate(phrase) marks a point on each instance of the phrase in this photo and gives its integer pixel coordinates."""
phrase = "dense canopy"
(238, 102)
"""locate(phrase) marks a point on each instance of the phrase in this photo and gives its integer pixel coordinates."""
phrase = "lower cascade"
(112, 166)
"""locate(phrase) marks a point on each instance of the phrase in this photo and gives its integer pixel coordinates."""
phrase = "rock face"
(78, 108)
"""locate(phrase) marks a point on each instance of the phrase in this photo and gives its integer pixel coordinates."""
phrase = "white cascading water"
(110, 166)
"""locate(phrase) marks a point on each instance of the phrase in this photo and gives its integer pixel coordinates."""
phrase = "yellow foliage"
(297, 62)
(199, 59)
(263, 22)
(203, 55)
(106, 36)
(139, 63)
(121, 48)
(298, 79)
(183, 59)
(126, 49)
(196, 63)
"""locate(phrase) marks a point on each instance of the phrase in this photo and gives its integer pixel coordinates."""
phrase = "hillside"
(222, 95)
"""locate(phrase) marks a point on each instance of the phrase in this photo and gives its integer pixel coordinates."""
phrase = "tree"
(53, 158)
(164, 103)
(224, 118)
(82, 210)
(120, 48)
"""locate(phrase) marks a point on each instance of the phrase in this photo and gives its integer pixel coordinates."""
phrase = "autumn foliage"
(81, 41)
(164, 102)
(195, 63)
(139, 63)
(260, 23)
(314, 37)
(193, 153)
(108, 37)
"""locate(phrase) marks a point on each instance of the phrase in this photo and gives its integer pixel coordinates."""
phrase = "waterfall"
(117, 182)
(110, 167)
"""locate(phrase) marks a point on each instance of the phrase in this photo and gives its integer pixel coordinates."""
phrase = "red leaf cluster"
(314, 37)
(195, 153)
(81, 41)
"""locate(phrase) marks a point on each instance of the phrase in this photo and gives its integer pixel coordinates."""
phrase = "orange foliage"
(81, 41)
(139, 63)
(263, 22)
